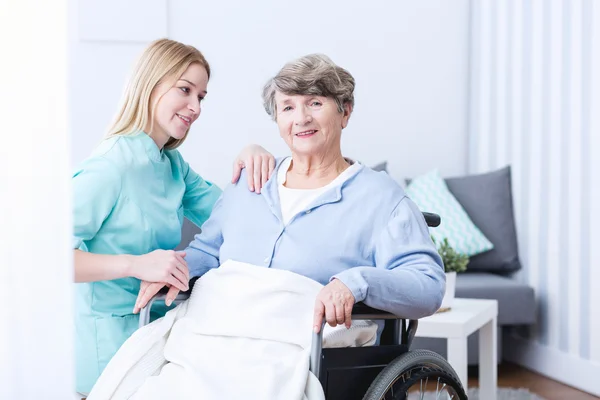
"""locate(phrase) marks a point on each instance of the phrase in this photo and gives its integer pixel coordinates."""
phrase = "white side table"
(465, 317)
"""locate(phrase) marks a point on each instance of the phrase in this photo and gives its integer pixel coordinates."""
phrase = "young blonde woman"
(130, 197)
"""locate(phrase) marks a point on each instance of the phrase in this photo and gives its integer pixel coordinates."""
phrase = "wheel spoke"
(443, 387)
(424, 391)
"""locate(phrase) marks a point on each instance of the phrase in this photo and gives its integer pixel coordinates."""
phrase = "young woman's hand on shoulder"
(259, 163)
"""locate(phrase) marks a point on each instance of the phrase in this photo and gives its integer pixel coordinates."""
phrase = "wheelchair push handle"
(432, 220)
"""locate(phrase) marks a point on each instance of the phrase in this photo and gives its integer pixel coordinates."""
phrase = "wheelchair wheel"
(419, 374)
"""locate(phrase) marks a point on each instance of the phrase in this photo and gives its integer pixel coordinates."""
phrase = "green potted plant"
(453, 263)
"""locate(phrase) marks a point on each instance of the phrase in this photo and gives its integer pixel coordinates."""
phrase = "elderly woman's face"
(310, 124)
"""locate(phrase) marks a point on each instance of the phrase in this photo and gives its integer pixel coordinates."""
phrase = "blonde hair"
(164, 60)
(314, 74)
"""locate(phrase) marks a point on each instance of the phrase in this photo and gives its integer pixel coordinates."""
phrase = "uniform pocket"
(111, 333)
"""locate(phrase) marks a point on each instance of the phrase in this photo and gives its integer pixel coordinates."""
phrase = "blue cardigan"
(366, 233)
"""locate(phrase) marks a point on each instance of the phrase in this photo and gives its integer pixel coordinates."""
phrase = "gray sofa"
(487, 199)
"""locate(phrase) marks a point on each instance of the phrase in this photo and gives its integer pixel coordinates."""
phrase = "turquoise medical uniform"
(129, 198)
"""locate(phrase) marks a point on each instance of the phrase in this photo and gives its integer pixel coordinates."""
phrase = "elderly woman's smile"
(305, 134)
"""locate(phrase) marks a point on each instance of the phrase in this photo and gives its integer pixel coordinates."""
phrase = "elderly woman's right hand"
(148, 290)
(166, 266)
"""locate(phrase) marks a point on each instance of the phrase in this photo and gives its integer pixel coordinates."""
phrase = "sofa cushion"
(430, 193)
(516, 301)
(487, 199)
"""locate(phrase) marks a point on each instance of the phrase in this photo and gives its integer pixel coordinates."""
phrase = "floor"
(512, 375)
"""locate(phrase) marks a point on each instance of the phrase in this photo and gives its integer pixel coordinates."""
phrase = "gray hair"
(314, 74)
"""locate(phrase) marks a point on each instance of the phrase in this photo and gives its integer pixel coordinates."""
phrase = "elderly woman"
(322, 215)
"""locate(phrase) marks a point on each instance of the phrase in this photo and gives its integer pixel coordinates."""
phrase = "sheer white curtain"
(36, 334)
(535, 104)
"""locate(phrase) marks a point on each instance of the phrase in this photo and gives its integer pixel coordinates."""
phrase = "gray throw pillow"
(487, 199)
(380, 167)
(188, 231)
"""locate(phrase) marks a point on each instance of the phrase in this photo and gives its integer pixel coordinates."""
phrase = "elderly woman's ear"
(347, 112)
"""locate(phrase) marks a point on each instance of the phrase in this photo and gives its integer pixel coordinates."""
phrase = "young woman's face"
(180, 106)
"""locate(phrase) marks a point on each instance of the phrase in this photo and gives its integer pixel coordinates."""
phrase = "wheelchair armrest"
(363, 311)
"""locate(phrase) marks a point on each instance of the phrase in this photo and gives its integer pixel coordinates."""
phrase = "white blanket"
(244, 333)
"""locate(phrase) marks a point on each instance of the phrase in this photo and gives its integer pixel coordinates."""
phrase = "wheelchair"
(390, 370)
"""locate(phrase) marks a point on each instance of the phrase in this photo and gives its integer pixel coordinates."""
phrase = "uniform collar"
(154, 153)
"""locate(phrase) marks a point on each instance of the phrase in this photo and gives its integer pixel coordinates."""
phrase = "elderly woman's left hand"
(260, 164)
(334, 303)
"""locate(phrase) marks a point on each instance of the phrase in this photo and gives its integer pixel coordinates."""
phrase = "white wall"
(410, 60)
(36, 275)
(536, 105)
